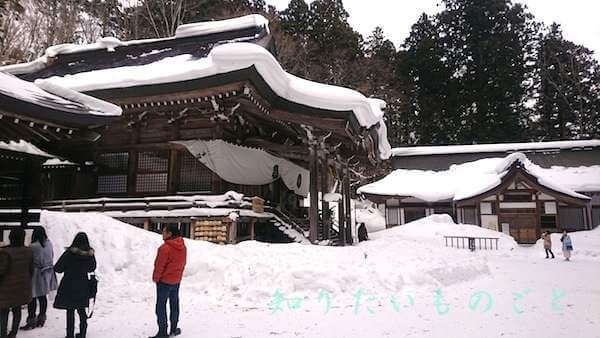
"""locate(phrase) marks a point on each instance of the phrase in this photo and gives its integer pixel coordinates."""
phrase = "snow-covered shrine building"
(521, 189)
(206, 113)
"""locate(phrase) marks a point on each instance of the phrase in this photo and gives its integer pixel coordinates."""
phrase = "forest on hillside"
(479, 71)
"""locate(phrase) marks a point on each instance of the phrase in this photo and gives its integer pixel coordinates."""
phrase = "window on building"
(193, 175)
(413, 214)
(112, 176)
(548, 221)
(152, 171)
(571, 218)
(486, 208)
(517, 197)
(10, 189)
(469, 215)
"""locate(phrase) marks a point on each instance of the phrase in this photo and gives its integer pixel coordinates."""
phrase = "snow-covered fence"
(471, 243)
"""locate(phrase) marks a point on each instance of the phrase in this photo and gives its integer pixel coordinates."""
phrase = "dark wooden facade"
(136, 155)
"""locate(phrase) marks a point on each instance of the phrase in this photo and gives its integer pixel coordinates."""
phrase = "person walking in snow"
(16, 268)
(73, 292)
(44, 278)
(567, 245)
(363, 235)
(548, 244)
(168, 271)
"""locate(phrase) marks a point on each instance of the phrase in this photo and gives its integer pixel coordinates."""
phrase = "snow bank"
(585, 244)
(432, 229)
(250, 272)
(373, 218)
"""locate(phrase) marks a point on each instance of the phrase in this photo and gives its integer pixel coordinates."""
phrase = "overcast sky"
(580, 19)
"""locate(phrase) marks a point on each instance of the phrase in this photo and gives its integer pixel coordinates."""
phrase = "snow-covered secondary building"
(40, 114)
(207, 111)
(521, 189)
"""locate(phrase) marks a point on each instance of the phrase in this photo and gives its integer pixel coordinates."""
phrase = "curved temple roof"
(225, 58)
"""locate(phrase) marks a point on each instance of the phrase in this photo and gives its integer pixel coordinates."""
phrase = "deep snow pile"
(432, 229)
(228, 291)
(250, 272)
(585, 244)
(373, 218)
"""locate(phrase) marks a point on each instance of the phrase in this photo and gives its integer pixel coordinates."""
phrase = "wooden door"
(523, 228)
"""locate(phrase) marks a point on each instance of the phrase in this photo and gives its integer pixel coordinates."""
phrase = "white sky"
(580, 19)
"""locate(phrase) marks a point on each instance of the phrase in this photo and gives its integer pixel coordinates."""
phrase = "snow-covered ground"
(385, 287)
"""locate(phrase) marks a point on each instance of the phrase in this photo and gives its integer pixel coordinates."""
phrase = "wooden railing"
(472, 243)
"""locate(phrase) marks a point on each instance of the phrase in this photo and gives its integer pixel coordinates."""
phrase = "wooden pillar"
(131, 172)
(342, 209)
(251, 225)
(314, 195)
(347, 205)
(25, 192)
(173, 176)
(326, 224)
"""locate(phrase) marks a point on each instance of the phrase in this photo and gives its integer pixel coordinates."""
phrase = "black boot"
(161, 334)
(82, 330)
(40, 320)
(175, 332)
(30, 324)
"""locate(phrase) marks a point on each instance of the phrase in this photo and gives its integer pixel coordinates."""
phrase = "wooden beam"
(347, 205)
(342, 209)
(325, 189)
(314, 194)
(178, 100)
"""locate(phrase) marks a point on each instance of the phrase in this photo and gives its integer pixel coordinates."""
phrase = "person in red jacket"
(168, 271)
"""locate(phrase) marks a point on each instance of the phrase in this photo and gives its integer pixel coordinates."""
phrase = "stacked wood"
(211, 230)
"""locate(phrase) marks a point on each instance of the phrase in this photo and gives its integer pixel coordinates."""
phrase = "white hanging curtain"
(248, 166)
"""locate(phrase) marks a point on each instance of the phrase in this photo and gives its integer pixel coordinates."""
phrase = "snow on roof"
(473, 178)
(232, 57)
(492, 148)
(213, 27)
(49, 95)
(110, 43)
(24, 147)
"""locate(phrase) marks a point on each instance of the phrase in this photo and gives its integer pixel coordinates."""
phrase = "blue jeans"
(164, 292)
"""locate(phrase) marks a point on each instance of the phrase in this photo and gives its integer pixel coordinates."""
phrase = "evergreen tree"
(295, 19)
(430, 86)
(486, 43)
(569, 91)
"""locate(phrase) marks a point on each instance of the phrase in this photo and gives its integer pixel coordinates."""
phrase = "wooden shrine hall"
(205, 112)
(43, 116)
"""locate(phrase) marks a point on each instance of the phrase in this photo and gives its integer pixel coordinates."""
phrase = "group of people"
(28, 275)
(567, 244)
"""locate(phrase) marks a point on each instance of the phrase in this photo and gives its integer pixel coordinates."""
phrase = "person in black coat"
(363, 235)
(73, 294)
